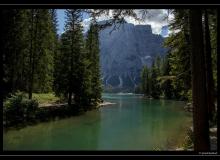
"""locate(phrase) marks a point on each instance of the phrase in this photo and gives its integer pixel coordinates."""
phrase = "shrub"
(18, 109)
(189, 95)
(189, 139)
(30, 108)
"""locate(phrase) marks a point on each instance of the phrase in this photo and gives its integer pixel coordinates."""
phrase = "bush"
(19, 109)
(30, 108)
(189, 95)
(189, 139)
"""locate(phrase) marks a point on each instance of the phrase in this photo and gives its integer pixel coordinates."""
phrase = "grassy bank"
(19, 111)
(46, 98)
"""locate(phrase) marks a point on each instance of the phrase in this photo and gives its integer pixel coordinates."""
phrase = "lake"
(133, 123)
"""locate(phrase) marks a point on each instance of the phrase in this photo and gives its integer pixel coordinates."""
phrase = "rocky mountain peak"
(124, 52)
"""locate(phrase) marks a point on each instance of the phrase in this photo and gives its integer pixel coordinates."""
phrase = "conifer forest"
(88, 87)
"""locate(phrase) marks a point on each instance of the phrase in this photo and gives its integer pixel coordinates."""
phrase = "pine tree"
(14, 34)
(145, 81)
(167, 82)
(27, 50)
(45, 44)
(74, 18)
(155, 86)
(158, 64)
(179, 54)
(70, 61)
(61, 66)
(92, 46)
(40, 52)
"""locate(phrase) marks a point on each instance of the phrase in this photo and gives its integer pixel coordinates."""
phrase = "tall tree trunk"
(70, 97)
(209, 73)
(70, 81)
(2, 50)
(31, 57)
(187, 78)
(200, 109)
(218, 73)
(71, 64)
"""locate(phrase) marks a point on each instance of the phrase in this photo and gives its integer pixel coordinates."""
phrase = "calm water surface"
(133, 123)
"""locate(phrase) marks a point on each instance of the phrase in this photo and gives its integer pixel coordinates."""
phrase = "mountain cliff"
(124, 52)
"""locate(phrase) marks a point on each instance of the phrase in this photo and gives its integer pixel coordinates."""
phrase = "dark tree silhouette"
(200, 109)
(218, 71)
(208, 64)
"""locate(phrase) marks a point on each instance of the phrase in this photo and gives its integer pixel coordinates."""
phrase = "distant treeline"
(170, 76)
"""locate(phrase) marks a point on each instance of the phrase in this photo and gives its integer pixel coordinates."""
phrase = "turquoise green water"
(133, 123)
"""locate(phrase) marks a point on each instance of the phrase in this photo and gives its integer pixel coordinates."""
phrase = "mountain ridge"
(123, 53)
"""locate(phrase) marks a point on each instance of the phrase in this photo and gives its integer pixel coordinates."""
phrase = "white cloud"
(86, 23)
(157, 18)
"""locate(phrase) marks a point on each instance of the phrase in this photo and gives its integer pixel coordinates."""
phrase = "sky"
(155, 17)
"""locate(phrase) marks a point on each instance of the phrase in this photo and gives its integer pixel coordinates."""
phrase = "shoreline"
(105, 103)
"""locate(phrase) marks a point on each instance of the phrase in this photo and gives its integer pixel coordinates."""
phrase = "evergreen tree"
(145, 81)
(45, 43)
(159, 65)
(155, 86)
(28, 61)
(61, 66)
(40, 51)
(14, 36)
(179, 54)
(74, 18)
(166, 85)
(92, 46)
(70, 79)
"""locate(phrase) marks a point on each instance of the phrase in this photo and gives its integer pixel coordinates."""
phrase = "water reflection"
(133, 123)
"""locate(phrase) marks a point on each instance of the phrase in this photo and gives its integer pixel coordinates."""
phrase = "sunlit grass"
(45, 98)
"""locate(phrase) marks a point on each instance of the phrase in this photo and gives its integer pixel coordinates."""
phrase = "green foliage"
(155, 86)
(14, 49)
(42, 36)
(150, 80)
(188, 142)
(28, 50)
(61, 66)
(178, 60)
(189, 95)
(213, 39)
(152, 83)
(45, 98)
(166, 79)
(92, 49)
(18, 108)
(76, 65)
(69, 61)
(146, 81)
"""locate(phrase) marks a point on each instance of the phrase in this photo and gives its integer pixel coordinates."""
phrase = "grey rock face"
(124, 52)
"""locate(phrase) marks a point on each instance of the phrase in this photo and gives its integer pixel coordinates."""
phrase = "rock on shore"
(188, 107)
(106, 103)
